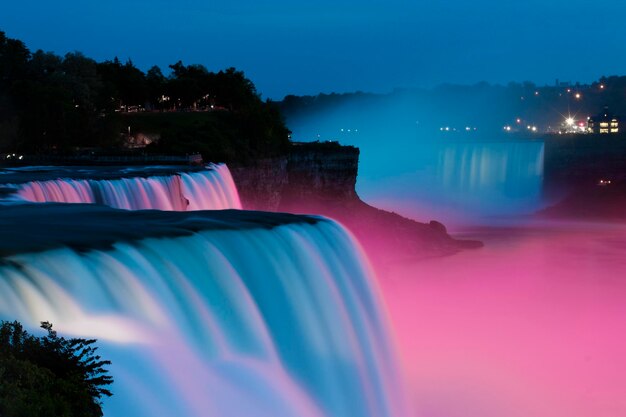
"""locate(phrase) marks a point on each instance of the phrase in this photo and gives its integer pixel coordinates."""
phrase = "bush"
(50, 375)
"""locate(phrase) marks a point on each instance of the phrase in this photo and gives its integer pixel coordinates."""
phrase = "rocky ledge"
(320, 178)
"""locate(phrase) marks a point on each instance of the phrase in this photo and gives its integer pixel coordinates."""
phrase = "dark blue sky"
(306, 47)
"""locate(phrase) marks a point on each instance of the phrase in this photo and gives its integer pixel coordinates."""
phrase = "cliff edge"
(320, 178)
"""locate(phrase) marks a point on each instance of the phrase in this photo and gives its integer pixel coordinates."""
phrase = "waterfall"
(476, 166)
(243, 321)
(212, 189)
(449, 180)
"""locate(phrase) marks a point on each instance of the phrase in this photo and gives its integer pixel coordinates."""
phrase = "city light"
(569, 121)
(578, 96)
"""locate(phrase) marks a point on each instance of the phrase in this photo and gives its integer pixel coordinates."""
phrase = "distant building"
(604, 122)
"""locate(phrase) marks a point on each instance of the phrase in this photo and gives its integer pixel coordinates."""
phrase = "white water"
(213, 189)
(262, 322)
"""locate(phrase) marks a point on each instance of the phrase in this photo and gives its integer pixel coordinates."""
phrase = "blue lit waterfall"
(254, 316)
(452, 180)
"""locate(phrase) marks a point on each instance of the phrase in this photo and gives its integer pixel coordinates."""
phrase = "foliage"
(53, 104)
(50, 375)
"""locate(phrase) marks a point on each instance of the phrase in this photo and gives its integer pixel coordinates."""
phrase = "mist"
(439, 153)
(529, 325)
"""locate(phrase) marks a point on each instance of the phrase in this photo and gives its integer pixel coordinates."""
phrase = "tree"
(234, 91)
(62, 105)
(189, 84)
(124, 84)
(156, 82)
(50, 375)
(14, 58)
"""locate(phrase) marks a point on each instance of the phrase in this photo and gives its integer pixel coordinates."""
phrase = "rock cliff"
(321, 179)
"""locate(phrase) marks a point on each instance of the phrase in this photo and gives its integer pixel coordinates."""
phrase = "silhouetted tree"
(14, 57)
(156, 85)
(50, 375)
(125, 85)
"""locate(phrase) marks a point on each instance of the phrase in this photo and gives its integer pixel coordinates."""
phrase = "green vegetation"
(52, 104)
(50, 375)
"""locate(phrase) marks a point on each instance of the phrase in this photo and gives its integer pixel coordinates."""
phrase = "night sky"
(307, 47)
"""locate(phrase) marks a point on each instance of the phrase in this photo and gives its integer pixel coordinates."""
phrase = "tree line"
(51, 104)
(487, 107)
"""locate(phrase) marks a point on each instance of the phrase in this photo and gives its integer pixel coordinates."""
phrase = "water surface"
(533, 324)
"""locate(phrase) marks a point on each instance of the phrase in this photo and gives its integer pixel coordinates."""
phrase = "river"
(533, 324)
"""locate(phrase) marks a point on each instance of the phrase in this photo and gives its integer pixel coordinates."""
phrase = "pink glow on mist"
(533, 324)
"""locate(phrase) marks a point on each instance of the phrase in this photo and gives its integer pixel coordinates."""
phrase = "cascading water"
(492, 177)
(249, 318)
(457, 180)
(213, 189)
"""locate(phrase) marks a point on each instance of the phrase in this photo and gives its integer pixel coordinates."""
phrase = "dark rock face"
(585, 177)
(592, 202)
(322, 174)
(308, 174)
(261, 185)
(321, 180)
(581, 161)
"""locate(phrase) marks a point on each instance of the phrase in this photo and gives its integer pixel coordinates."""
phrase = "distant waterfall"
(459, 180)
(213, 189)
(478, 166)
(264, 322)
